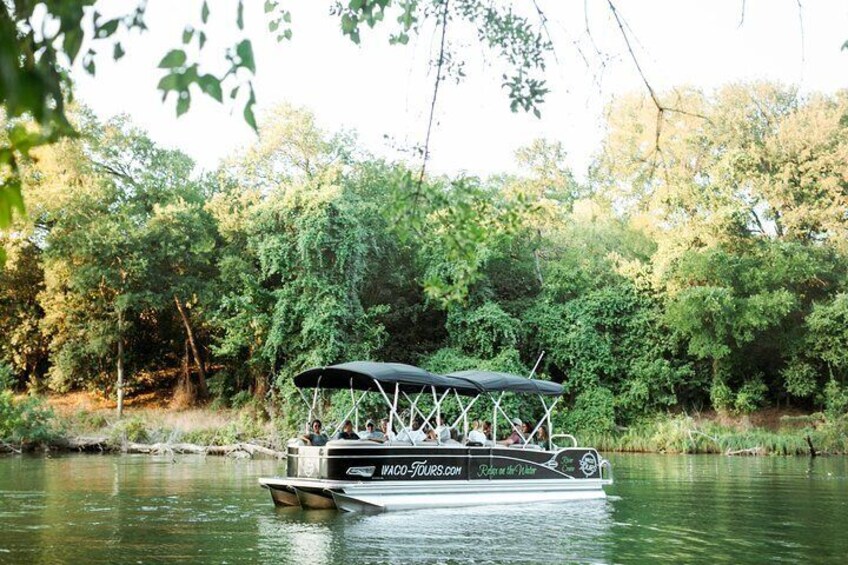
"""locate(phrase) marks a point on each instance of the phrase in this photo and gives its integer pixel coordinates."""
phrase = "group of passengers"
(317, 436)
(480, 434)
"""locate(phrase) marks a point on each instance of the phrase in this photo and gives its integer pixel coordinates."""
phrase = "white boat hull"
(403, 495)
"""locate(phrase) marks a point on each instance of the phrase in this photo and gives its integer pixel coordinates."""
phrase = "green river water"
(678, 509)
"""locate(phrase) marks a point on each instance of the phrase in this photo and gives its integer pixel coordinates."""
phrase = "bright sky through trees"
(383, 91)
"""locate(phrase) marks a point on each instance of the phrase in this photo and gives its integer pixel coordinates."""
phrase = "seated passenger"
(347, 431)
(316, 436)
(441, 433)
(371, 433)
(542, 437)
(487, 430)
(388, 434)
(414, 435)
(475, 435)
(515, 436)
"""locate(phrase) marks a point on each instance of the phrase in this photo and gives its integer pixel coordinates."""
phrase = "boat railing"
(605, 464)
(573, 439)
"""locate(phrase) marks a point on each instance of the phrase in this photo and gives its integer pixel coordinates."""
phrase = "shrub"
(721, 396)
(132, 429)
(7, 377)
(835, 399)
(593, 411)
(751, 396)
(25, 421)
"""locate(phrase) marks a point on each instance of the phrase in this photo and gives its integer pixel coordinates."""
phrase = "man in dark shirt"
(347, 431)
(516, 436)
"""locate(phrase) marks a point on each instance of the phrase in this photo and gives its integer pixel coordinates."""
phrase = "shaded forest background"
(702, 270)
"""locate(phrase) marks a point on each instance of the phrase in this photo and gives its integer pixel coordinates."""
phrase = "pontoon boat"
(355, 475)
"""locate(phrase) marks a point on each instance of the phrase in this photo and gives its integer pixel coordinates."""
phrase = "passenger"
(316, 436)
(515, 436)
(371, 433)
(414, 435)
(487, 430)
(475, 435)
(526, 431)
(542, 439)
(441, 433)
(388, 434)
(347, 431)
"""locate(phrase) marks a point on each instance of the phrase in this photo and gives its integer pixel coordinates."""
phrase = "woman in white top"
(475, 435)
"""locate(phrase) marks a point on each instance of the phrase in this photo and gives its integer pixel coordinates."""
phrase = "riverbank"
(786, 434)
(81, 422)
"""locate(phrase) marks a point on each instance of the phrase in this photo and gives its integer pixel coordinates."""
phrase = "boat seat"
(351, 442)
(528, 447)
(398, 442)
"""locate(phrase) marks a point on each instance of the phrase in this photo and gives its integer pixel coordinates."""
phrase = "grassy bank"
(789, 435)
(32, 423)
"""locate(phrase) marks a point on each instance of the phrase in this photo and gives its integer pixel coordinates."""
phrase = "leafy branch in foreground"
(41, 41)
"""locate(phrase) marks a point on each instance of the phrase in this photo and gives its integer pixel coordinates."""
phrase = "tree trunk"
(201, 370)
(186, 387)
(120, 364)
(537, 261)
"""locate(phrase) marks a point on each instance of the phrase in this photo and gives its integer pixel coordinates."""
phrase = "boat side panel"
(440, 463)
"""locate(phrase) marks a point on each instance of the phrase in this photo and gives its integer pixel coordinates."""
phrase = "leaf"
(202, 39)
(272, 26)
(174, 58)
(72, 42)
(269, 6)
(108, 28)
(211, 86)
(204, 12)
(169, 82)
(188, 33)
(240, 15)
(245, 52)
(249, 117)
(118, 51)
(845, 45)
(287, 17)
(183, 103)
(537, 113)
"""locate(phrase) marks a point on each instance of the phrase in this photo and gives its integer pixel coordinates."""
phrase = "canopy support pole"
(313, 407)
(430, 415)
(392, 405)
(547, 417)
(349, 412)
(464, 414)
(356, 407)
(505, 415)
(413, 405)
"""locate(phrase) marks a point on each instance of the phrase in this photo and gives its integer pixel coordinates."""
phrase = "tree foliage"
(705, 280)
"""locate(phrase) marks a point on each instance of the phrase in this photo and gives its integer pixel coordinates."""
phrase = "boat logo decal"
(421, 469)
(361, 471)
(588, 464)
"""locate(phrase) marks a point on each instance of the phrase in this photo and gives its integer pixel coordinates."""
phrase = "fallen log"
(749, 451)
(189, 448)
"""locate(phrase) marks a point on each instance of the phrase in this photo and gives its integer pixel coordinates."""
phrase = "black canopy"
(360, 375)
(487, 381)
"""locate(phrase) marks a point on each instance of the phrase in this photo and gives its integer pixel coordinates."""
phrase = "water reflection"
(90, 509)
(562, 532)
